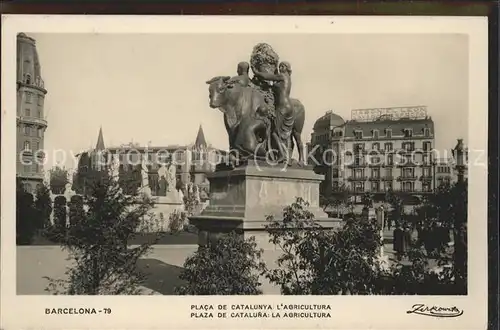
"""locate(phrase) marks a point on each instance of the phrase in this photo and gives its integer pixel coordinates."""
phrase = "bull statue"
(256, 126)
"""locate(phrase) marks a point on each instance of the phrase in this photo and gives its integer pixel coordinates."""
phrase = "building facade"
(377, 150)
(31, 121)
(192, 163)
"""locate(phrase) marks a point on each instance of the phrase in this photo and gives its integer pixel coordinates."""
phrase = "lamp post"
(460, 221)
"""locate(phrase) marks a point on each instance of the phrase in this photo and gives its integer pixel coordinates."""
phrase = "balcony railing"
(408, 164)
(388, 178)
(407, 177)
(358, 165)
(32, 120)
(426, 177)
(375, 178)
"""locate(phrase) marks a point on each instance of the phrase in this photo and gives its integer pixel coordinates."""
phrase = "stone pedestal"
(242, 198)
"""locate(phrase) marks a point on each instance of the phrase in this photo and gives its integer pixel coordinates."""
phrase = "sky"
(150, 88)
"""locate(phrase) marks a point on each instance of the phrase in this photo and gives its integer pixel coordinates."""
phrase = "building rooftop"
(200, 141)
(396, 126)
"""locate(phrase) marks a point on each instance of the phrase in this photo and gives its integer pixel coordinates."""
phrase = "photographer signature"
(435, 311)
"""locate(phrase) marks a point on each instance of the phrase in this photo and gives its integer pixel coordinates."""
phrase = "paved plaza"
(163, 266)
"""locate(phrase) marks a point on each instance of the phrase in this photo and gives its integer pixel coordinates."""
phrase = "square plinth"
(241, 199)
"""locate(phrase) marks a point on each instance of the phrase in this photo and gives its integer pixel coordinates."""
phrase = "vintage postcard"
(244, 172)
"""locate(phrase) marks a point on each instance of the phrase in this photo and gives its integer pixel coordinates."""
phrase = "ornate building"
(376, 151)
(31, 122)
(191, 163)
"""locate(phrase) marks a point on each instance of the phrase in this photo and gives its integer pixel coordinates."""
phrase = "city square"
(395, 174)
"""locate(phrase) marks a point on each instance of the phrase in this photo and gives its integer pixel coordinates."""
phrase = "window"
(358, 161)
(28, 77)
(388, 173)
(375, 160)
(359, 147)
(27, 112)
(375, 133)
(335, 173)
(375, 186)
(408, 172)
(388, 146)
(427, 132)
(26, 168)
(39, 112)
(35, 167)
(407, 186)
(390, 159)
(27, 130)
(426, 171)
(427, 146)
(27, 146)
(358, 134)
(388, 132)
(376, 173)
(358, 174)
(408, 146)
(337, 134)
(408, 132)
(376, 146)
(28, 97)
(40, 100)
(426, 186)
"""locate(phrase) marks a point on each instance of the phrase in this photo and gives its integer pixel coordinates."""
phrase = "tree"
(60, 214)
(76, 210)
(229, 265)
(103, 263)
(58, 180)
(367, 200)
(43, 206)
(26, 225)
(320, 261)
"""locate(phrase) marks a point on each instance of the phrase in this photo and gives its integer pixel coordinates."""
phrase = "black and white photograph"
(248, 163)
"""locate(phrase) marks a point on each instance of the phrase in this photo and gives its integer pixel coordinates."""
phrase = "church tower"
(31, 120)
(200, 162)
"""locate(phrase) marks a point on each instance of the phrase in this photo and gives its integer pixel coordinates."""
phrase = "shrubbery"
(324, 262)
(230, 265)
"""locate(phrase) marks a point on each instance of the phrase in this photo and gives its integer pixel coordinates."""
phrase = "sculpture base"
(242, 198)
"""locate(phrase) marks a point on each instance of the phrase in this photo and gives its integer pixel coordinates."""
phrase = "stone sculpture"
(163, 180)
(261, 120)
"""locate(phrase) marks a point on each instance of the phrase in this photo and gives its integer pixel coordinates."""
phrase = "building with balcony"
(377, 150)
(31, 123)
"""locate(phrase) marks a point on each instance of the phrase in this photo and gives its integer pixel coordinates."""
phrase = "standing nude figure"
(284, 114)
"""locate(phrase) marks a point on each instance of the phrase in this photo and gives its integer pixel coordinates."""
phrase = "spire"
(100, 141)
(200, 139)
